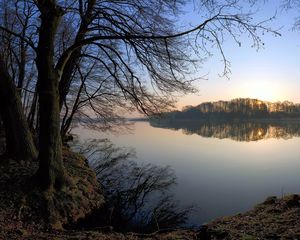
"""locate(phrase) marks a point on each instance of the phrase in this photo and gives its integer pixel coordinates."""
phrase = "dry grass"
(273, 219)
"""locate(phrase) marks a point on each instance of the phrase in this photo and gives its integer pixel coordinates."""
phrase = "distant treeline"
(240, 108)
(238, 131)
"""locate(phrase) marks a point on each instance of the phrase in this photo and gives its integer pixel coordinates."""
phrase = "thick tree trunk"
(51, 173)
(19, 142)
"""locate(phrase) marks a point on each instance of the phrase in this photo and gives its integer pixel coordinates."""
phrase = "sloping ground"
(23, 210)
(273, 219)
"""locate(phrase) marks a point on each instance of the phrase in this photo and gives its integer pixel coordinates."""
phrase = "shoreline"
(275, 218)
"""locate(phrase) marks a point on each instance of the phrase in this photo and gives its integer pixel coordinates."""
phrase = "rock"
(270, 200)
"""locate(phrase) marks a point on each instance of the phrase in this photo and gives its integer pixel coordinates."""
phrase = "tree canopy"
(77, 60)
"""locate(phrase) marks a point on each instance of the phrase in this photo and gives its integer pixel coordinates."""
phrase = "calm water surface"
(223, 173)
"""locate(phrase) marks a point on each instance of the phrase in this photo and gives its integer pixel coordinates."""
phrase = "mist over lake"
(220, 175)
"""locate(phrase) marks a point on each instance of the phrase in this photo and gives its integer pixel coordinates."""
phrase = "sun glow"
(262, 91)
(259, 132)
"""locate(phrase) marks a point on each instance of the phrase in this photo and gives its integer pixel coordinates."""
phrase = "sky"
(272, 73)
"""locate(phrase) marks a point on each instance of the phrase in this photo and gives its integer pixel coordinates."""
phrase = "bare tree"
(292, 4)
(19, 142)
(136, 45)
(93, 100)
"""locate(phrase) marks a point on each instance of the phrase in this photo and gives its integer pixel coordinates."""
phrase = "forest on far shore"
(239, 108)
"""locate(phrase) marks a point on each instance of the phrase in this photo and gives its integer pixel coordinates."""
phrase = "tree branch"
(31, 44)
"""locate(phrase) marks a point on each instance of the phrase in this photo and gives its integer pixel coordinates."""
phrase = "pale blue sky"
(272, 73)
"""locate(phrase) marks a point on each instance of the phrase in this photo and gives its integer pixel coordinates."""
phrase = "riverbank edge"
(275, 218)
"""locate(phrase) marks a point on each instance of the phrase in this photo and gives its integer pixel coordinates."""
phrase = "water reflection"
(238, 131)
(137, 196)
(222, 177)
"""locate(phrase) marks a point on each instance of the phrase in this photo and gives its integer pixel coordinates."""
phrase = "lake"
(223, 169)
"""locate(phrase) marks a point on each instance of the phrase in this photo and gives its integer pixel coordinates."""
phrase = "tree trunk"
(32, 112)
(51, 172)
(66, 79)
(67, 123)
(19, 142)
(21, 66)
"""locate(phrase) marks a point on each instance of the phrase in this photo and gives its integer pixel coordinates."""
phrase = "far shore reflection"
(238, 131)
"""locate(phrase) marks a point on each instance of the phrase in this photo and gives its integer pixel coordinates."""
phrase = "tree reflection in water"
(137, 196)
(238, 131)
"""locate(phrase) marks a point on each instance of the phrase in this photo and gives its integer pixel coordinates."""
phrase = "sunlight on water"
(220, 176)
